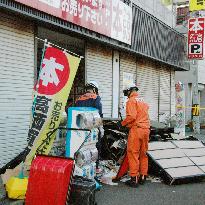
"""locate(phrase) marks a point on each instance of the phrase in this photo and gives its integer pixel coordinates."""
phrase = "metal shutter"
(165, 91)
(16, 78)
(173, 94)
(99, 68)
(148, 83)
(127, 64)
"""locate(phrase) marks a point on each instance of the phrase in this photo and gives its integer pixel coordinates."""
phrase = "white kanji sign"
(112, 18)
(48, 74)
(196, 38)
(54, 73)
(196, 25)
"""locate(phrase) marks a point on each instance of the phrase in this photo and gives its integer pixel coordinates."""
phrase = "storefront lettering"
(70, 6)
(48, 73)
(90, 10)
(41, 106)
(200, 2)
(112, 18)
(117, 24)
(196, 38)
(127, 26)
(180, 113)
(54, 119)
(38, 120)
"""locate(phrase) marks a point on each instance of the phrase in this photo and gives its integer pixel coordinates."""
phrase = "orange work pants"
(137, 147)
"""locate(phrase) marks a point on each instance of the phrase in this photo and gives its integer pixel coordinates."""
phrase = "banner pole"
(38, 78)
(70, 52)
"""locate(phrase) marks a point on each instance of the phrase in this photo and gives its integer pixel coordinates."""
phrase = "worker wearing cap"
(137, 120)
(92, 99)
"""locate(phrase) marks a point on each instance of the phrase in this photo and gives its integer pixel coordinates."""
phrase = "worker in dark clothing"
(68, 104)
(92, 99)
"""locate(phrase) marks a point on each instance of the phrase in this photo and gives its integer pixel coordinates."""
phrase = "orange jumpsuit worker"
(137, 120)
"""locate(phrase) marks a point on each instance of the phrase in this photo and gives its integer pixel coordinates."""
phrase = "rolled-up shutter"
(128, 65)
(165, 91)
(99, 68)
(16, 79)
(148, 83)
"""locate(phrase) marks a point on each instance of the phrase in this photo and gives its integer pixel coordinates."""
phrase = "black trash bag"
(82, 191)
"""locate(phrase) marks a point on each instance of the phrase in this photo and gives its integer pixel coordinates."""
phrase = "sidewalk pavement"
(200, 136)
(154, 193)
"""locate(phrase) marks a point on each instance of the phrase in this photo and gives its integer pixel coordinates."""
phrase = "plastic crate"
(49, 181)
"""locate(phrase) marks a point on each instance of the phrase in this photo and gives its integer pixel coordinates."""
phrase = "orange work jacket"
(136, 112)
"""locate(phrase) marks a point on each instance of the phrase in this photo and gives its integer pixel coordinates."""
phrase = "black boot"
(132, 182)
(142, 179)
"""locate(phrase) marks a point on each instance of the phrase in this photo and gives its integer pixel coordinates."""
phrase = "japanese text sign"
(180, 112)
(195, 110)
(112, 18)
(196, 38)
(51, 94)
(196, 5)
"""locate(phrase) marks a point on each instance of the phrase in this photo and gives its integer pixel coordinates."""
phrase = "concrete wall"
(201, 71)
(188, 76)
(202, 100)
(185, 76)
(157, 9)
(188, 101)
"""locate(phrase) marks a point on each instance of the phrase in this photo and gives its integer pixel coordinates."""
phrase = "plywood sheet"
(161, 145)
(202, 168)
(166, 154)
(194, 152)
(198, 160)
(181, 172)
(188, 144)
(175, 162)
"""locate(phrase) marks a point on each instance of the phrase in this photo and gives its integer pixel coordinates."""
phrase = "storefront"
(16, 78)
(157, 88)
(107, 60)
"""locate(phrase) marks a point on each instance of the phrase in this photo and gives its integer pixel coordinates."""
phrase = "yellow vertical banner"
(196, 5)
(55, 81)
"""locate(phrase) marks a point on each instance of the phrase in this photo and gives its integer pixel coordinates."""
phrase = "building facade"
(155, 53)
(196, 73)
(189, 78)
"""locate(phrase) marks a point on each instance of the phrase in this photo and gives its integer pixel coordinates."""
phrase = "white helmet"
(93, 84)
(129, 87)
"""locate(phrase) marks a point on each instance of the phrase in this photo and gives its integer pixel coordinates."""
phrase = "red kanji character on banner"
(55, 72)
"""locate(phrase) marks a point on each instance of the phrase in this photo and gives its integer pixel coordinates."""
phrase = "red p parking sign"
(196, 38)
